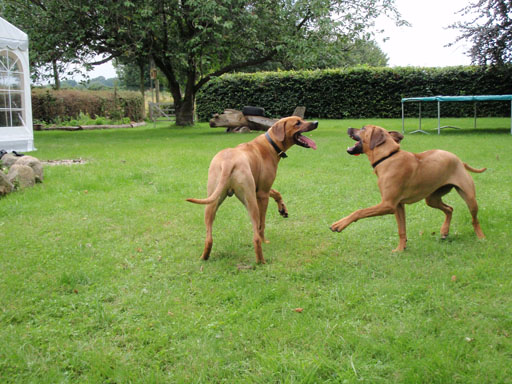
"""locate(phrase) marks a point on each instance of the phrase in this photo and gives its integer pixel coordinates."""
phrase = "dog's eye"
(298, 123)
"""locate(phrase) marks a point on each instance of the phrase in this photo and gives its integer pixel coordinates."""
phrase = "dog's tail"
(224, 177)
(471, 169)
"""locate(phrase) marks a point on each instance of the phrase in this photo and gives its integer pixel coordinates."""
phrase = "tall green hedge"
(360, 92)
(49, 105)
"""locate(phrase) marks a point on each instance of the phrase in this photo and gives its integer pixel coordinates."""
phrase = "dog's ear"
(377, 138)
(397, 136)
(278, 130)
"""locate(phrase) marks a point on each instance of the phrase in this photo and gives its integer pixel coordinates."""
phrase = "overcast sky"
(420, 45)
(423, 43)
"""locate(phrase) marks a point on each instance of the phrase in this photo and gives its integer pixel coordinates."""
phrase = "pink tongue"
(309, 142)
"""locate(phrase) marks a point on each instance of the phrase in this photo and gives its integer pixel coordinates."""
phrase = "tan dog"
(405, 178)
(248, 171)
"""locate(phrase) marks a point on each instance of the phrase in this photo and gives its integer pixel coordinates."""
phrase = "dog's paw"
(336, 227)
(282, 210)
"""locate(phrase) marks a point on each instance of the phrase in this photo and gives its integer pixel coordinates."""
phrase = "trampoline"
(441, 99)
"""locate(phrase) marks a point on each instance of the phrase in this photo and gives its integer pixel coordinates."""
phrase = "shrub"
(360, 92)
(52, 106)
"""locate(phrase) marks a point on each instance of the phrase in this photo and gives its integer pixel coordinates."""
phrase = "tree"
(192, 41)
(54, 41)
(489, 29)
(340, 54)
(130, 75)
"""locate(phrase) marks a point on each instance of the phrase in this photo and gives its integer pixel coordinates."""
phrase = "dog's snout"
(315, 124)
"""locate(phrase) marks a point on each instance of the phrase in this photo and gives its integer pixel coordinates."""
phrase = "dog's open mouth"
(358, 148)
(304, 141)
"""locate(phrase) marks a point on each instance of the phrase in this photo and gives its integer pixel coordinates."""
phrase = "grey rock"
(33, 163)
(5, 185)
(8, 160)
(22, 176)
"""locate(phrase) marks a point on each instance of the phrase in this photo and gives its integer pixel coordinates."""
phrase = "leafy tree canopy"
(489, 29)
(192, 41)
(55, 47)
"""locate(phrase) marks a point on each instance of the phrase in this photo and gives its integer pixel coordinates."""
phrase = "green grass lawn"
(100, 277)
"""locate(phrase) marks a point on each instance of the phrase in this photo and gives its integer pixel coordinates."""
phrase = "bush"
(360, 92)
(51, 106)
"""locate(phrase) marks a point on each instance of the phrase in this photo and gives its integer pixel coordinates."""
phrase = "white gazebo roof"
(11, 37)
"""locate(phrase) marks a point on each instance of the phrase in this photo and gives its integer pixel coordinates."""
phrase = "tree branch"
(103, 61)
(39, 4)
(306, 18)
(233, 67)
(168, 70)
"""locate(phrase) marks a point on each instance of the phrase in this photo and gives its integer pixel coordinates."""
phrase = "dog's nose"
(315, 124)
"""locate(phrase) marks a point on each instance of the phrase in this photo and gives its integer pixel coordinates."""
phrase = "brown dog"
(248, 171)
(405, 178)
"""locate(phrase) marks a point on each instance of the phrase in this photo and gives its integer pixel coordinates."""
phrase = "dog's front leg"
(400, 220)
(280, 203)
(383, 208)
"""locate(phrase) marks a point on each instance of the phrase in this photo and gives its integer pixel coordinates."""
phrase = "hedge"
(360, 92)
(50, 106)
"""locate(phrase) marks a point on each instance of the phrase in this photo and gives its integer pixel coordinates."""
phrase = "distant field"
(101, 280)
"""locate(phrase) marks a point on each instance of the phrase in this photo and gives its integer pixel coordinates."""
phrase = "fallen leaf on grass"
(454, 278)
(298, 310)
(241, 267)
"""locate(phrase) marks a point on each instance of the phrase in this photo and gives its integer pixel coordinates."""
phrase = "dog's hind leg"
(435, 201)
(262, 198)
(467, 192)
(246, 193)
(400, 220)
(209, 216)
(254, 213)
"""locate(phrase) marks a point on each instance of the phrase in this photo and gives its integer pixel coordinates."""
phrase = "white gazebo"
(16, 132)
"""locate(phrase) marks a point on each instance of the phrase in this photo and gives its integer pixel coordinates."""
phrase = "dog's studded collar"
(280, 153)
(384, 158)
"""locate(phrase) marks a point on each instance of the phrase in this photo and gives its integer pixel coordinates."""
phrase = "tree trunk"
(56, 75)
(141, 88)
(185, 111)
(183, 105)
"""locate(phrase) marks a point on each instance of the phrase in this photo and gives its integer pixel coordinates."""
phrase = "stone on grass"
(22, 176)
(33, 163)
(8, 159)
(5, 185)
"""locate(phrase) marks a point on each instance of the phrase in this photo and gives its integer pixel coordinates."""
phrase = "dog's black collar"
(384, 158)
(280, 153)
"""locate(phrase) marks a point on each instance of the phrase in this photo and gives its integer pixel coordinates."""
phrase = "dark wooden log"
(260, 123)
(233, 119)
